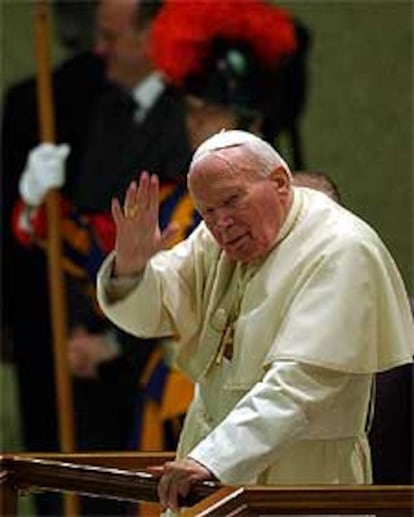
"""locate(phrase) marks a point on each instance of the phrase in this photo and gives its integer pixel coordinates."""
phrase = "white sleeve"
(274, 413)
(166, 298)
(115, 288)
(134, 303)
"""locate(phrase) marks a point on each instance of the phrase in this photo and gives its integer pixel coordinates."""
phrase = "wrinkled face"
(243, 211)
(120, 44)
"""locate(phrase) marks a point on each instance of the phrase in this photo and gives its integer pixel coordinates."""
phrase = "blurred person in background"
(246, 68)
(318, 181)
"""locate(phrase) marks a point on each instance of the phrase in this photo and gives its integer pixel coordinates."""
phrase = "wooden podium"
(122, 476)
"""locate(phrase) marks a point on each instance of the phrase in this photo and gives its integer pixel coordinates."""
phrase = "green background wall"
(358, 125)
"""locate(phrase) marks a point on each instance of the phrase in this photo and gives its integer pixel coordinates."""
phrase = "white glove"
(44, 170)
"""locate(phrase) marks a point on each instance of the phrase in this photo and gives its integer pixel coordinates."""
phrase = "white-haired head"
(264, 154)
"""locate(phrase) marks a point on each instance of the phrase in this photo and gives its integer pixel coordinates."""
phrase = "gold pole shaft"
(64, 394)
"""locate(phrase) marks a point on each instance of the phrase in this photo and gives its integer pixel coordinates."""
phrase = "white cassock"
(313, 321)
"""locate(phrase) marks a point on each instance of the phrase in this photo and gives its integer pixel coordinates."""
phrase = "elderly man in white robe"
(283, 306)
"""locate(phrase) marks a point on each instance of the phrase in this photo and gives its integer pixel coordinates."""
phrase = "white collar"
(295, 211)
(147, 92)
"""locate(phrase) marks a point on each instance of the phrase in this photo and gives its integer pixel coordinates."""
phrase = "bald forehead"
(213, 177)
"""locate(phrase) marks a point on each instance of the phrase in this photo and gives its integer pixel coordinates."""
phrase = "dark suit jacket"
(119, 149)
(391, 434)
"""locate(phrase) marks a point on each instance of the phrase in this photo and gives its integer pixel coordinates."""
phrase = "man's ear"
(281, 180)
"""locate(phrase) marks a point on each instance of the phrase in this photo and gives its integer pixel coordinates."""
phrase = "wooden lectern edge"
(47, 473)
(214, 500)
(114, 459)
(212, 503)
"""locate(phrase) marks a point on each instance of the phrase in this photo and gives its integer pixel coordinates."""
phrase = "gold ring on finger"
(131, 211)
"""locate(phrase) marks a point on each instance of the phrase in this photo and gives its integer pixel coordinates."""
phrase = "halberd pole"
(58, 313)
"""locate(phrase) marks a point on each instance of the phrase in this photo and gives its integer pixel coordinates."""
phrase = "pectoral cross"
(226, 344)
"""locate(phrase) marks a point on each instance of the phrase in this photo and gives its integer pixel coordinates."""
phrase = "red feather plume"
(184, 29)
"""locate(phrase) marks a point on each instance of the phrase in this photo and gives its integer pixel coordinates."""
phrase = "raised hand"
(138, 235)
